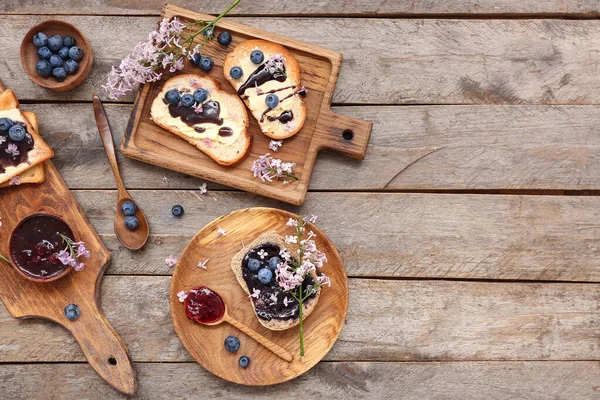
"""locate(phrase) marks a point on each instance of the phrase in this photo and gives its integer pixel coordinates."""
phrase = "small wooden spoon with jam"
(133, 239)
(206, 307)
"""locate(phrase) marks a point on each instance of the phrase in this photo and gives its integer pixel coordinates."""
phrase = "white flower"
(182, 296)
(273, 298)
(171, 261)
(291, 239)
(292, 222)
(262, 254)
(14, 181)
(165, 179)
(286, 301)
(255, 293)
(203, 264)
(313, 219)
(221, 232)
(275, 145)
(243, 245)
(203, 188)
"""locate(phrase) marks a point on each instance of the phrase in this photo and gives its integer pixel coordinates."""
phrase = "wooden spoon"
(212, 298)
(132, 239)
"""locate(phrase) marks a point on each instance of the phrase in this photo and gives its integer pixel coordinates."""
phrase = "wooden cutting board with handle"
(323, 129)
(102, 346)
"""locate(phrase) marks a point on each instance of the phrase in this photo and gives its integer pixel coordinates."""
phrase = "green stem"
(4, 258)
(300, 326)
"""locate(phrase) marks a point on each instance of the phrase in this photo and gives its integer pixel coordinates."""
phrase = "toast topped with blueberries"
(267, 78)
(195, 108)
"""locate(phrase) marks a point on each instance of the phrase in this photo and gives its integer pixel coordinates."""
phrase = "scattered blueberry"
(43, 68)
(172, 97)
(5, 124)
(244, 361)
(200, 95)
(128, 207)
(195, 60)
(273, 262)
(265, 275)
(72, 312)
(75, 53)
(55, 61)
(64, 52)
(272, 100)
(40, 39)
(206, 64)
(55, 42)
(187, 100)
(236, 72)
(257, 57)
(16, 133)
(208, 32)
(59, 73)
(232, 344)
(71, 66)
(131, 222)
(224, 38)
(253, 264)
(44, 53)
(177, 210)
(69, 41)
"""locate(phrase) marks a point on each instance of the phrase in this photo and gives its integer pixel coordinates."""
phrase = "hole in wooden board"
(112, 361)
(348, 134)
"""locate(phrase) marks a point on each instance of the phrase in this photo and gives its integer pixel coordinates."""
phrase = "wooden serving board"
(102, 346)
(320, 67)
(206, 343)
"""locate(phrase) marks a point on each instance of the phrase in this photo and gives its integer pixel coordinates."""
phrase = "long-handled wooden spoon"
(206, 307)
(132, 239)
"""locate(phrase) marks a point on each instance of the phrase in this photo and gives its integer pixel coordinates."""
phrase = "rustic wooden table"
(470, 233)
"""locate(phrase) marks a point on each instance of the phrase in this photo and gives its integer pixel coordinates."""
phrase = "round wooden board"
(205, 343)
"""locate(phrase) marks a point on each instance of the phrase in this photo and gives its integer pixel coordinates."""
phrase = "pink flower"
(275, 145)
(291, 239)
(198, 109)
(221, 232)
(165, 179)
(182, 296)
(208, 142)
(255, 293)
(275, 63)
(313, 219)
(203, 189)
(81, 250)
(171, 261)
(267, 168)
(14, 181)
(64, 257)
(292, 222)
(324, 280)
(203, 264)
(12, 149)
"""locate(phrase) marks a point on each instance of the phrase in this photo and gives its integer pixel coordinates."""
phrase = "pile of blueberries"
(232, 344)
(131, 221)
(257, 57)
(58, 55)
(206, 63)
(172, 97)
(16, 132)
(264, 275)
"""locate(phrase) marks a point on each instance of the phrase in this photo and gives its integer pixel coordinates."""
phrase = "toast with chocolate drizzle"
(218, 126)
(275, 309)
(278, 74)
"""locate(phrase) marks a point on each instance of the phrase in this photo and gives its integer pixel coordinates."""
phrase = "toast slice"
(226, 141)
(279, 74)
(37, 151)
(34, 174)
(274, 315)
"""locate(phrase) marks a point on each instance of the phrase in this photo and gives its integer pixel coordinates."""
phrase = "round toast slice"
(225, 150)
(254, 95)
(236, 265)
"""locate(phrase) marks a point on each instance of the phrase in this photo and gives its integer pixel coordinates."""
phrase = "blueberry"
(69, 41)
(273, 262)
(236, 72)
(5, 124)
(253, 264)
(265, 276)
(55, 61)
(195, 59)
(172, 97)
(64, 52)
(128, 207)
(40, 39)
(131, 222)
(206, 64)
(224, 38)
(187, 100)
(55, 42)
(59, 74)
(16, 133)
(232, 344)
(257, 57)
(44, 53)
(272, 100)
(177, 210)
(200, 95)
(208, 32)
(75, 53)
(244, 361)
(43, 68)
(72, 312)
(71, 66)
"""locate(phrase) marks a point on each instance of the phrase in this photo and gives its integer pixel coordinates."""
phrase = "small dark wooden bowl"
(29, 56)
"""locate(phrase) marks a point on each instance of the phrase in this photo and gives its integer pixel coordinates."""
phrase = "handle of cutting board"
(347, 135)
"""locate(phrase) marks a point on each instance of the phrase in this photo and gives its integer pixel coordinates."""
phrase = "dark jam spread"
(204, 306)
(209, 115)
(260, 76)
(225, 131)
(270, 303)
(11, 157)
(284, 117)
(35, 243)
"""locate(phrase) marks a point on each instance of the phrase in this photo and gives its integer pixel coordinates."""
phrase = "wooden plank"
(432, 61)
(412, 148)
(393, 235)
(580, 8)
(414, 320)
(355, 380)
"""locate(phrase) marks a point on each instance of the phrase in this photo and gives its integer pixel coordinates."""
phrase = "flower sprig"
(267, 169)
(165, 49)
(291, 273)
(70, 255)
